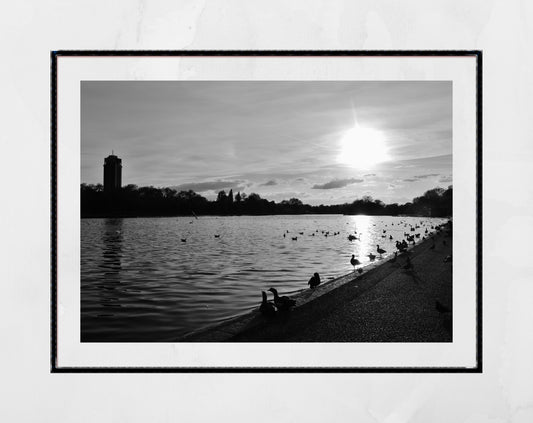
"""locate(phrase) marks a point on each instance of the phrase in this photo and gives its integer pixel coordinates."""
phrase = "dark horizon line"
(226, 190)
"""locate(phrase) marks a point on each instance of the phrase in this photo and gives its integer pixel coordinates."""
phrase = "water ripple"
(159, 288)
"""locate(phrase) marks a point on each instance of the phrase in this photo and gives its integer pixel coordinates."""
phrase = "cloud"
(337, 183)
(210, 185)
(429, 175)
(268, 184)
(419, 177)
(370, 174)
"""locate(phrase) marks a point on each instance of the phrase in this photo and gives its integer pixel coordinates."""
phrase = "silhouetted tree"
(132, 200)
(221, 197)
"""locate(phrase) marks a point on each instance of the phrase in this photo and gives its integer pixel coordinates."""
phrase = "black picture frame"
(477, 54)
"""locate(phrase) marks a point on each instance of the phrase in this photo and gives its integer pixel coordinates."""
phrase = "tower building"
(112, 173)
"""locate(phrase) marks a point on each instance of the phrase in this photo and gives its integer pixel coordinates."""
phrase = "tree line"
(132, 200)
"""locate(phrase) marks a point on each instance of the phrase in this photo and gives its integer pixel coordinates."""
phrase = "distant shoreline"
(251, 215)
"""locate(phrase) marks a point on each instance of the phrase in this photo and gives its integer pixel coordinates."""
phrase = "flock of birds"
(284, 303)
(410, 237)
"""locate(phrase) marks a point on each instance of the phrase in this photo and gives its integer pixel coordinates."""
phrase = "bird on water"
(314, 281)
(266, 308)
(282, 303)
(371, 256)
(380, 251)
(354, 262)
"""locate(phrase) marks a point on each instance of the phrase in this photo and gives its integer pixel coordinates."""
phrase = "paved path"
(388, 304)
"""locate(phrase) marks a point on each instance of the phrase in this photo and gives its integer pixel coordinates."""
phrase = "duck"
(217, 236)
(371, 256)
(183, 239)
(380, 251)
(390, 237)
(314, 281)
(282, 303)
(294, 238)
(266, 308)
(351, 237)
(354, 262)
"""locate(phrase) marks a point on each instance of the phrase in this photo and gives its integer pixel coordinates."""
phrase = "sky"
(324, 142)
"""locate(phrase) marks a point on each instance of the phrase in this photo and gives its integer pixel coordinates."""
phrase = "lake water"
(140, 282)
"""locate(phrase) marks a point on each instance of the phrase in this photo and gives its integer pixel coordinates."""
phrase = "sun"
(363, 148)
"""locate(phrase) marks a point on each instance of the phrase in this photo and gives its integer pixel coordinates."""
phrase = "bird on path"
(267, 308)
(314, 281)
(360, 270)
(282, 303)
(354, 262)
(441, 308)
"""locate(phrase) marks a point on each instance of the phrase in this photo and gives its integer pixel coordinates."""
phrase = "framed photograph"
(266, 211)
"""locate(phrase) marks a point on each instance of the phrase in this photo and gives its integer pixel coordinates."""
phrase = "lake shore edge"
(386, 303)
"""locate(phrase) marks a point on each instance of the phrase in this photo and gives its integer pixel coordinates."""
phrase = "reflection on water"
(140, 282)
(111, 264)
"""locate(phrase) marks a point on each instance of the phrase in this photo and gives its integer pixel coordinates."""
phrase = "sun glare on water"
(363, 148)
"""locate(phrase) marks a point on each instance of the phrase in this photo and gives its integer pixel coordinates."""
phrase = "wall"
(503, 30)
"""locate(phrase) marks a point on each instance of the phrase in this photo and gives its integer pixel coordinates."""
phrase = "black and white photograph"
(266, 211)
(296, 218)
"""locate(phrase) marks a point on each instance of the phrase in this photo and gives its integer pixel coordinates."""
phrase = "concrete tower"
(112, 173)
